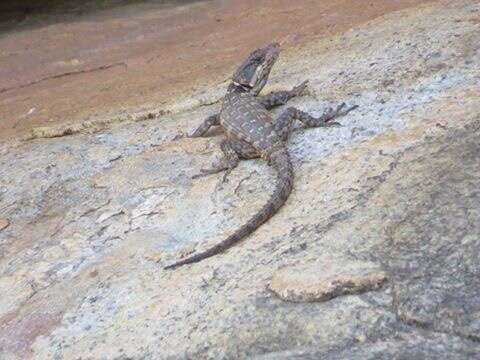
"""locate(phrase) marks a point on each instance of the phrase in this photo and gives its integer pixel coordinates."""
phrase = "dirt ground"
(128, 57)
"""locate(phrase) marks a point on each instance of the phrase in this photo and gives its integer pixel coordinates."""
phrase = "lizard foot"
(215, 170)
(300, 89)
(206, 172)
(180, 136)
(225, 176)
(340, 111)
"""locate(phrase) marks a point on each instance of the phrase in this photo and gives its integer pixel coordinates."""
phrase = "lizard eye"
(259, 59)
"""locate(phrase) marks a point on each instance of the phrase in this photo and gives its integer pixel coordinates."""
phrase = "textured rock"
(416, 345)
(94, 216)
(326, 280)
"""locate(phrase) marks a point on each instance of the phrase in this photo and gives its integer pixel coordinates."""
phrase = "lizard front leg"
(228, 163)
(283, 124)
(212, 120)
(277, 98)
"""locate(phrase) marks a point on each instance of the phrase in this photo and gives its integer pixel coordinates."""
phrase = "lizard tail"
(280, 161)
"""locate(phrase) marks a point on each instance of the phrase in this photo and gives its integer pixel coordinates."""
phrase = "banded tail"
(280, 161)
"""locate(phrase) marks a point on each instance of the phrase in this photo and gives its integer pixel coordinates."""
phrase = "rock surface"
(324, 281)
(411, 345)
(93, 216)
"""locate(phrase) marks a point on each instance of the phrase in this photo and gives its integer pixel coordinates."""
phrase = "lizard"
(251, 133)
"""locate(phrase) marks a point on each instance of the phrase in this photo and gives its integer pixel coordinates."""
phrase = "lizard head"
(254, 71)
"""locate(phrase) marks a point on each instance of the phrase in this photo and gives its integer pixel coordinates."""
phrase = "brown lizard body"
(251, 133)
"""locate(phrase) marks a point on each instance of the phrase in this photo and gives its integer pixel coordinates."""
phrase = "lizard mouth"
(271, 53)
(254, 78)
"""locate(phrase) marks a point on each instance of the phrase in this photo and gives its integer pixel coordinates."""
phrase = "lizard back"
(243, 117)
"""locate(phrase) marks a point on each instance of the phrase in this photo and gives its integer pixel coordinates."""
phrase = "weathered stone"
(324, 281)
(395, 186)
(415, 345)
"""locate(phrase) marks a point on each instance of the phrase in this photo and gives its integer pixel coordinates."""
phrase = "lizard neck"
(235, 88)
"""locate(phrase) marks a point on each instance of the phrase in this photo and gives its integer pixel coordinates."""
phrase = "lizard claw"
(180, 136)
(333, 124)
(340, 107)
(350, 109)
(330, 114)
(225, 175)
(202, 174)
(206, 172)
(300, 89)
(338, 112)
(193, 135)
(341, 111)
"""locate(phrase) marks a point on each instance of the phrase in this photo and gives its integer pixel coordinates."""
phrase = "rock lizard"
(252, 133)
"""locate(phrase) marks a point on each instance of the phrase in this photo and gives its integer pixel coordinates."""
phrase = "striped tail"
(280, 161)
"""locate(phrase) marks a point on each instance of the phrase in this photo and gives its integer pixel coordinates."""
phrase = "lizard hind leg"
(244, 149)
(283, 124)
(228, 163)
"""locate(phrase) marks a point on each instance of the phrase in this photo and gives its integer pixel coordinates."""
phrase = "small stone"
(4, 223)
(324, 281)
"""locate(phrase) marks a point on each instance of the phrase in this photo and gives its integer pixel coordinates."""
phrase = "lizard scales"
(251, 133)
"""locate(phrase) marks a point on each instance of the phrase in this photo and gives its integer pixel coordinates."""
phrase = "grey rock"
(325, 280)
(80, 279)
(411, 346)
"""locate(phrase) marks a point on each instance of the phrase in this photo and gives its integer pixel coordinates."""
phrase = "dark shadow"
(27, 14)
